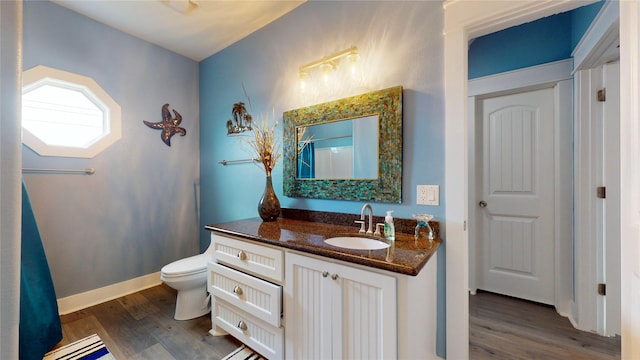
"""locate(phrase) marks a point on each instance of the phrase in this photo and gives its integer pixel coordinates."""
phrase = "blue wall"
(538, 42)
(138, 212)
(400, 43)
(581, 19)
(266, 63)
(542, 41)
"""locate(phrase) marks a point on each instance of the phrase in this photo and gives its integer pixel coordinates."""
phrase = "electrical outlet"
(422, 194)
(428, 195)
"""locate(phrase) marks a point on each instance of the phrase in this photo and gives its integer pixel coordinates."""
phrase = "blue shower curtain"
(40, 328)
(306, 166)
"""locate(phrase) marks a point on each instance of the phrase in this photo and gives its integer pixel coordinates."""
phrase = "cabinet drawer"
(266, 339)
(255, 296)
(262, 261)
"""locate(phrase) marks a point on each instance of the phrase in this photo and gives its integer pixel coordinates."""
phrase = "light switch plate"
(429, 195)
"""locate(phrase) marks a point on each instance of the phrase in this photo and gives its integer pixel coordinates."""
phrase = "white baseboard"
(86, 299)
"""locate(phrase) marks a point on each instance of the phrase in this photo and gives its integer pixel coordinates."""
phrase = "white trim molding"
(600, 43)
(111, 124)
(89, 298)
(552, 72)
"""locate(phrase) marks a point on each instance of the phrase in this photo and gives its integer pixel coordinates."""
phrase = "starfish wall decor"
(168, 125)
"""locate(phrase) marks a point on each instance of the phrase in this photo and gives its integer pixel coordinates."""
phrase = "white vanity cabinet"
(333, 311)
(244, 280)
(290, 304)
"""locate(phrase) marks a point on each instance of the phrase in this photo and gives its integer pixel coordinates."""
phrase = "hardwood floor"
(141, 326)
(502, 327)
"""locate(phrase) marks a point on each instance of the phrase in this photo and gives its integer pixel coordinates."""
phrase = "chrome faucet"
(362, 213)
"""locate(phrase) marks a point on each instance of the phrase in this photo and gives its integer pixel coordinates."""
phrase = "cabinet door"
(335, 311)
(307, 296)
(364, 314)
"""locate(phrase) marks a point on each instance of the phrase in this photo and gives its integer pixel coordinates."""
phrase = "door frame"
(10, 175)
(630, 177)
(464, 20)
(556, 75)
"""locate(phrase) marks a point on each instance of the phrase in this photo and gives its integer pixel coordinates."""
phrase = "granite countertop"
(404, 256)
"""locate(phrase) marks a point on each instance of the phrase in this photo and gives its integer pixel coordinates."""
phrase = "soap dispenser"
(389, 228)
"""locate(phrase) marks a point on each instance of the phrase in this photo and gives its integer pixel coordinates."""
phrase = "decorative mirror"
(348, 149)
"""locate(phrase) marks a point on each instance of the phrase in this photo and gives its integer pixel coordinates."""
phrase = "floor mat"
(243, 353)
(89, 348)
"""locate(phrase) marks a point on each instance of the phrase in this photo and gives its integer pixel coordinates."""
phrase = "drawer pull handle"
(334, 276)
(325, 273)
(237, 290)
(242, 326)
(241, 255)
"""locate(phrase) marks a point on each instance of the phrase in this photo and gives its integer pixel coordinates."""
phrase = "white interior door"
(611, 206)
(516, 249)
(597, 216)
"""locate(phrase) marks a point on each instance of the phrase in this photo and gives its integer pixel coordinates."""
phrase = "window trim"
(40, 75)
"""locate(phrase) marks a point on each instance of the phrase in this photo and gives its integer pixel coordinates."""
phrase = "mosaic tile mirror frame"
(385, 185)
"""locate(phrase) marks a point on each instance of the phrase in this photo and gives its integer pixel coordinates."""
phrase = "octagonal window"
(65, 114)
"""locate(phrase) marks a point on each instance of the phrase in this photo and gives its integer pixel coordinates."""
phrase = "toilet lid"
(186, 266)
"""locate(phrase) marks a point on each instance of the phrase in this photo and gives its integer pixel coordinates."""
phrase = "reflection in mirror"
(363, 132)
(342, 149)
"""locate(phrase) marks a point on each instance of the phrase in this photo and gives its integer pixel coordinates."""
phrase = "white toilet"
(189, 277)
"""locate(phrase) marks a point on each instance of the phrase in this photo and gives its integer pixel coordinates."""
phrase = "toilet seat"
(187, 266)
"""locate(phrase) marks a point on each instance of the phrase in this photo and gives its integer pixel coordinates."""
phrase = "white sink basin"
(356, 243)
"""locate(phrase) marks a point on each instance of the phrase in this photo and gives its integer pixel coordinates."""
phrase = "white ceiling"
(210, 27)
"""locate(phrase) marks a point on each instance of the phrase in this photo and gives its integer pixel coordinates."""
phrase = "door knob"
(482, 204)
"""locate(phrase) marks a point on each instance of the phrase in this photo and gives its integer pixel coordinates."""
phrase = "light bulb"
(326, 68)
(353, 61)
(302, 76)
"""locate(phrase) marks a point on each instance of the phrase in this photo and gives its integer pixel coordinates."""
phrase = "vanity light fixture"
(328, 64)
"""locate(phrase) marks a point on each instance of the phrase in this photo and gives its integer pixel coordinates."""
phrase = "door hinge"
(602, 192)
(602, 95)
(602, 289)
